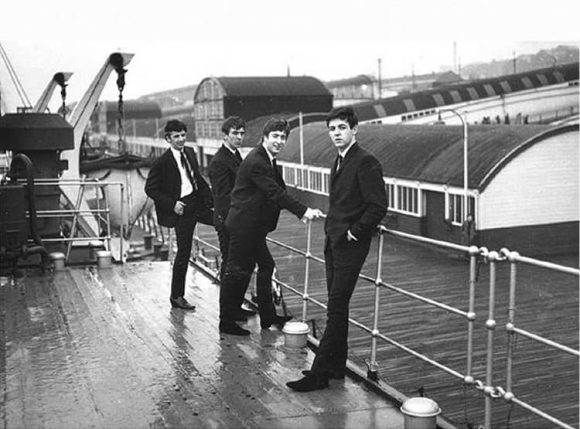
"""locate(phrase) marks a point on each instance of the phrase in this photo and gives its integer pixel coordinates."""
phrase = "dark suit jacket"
(357, 200)
(259, 194)
(163, 186)
(222, 176)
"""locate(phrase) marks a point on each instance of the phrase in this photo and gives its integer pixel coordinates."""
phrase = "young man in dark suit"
(258, 196)
(182, 198)
(223, 170)
(357, 203)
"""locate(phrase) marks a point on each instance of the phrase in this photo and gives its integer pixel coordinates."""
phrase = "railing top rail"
(516, 257)
(439, 243)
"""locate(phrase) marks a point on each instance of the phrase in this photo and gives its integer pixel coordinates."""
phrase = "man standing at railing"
(357, 203)
(223, 170)
(182, 198)
(258, 196)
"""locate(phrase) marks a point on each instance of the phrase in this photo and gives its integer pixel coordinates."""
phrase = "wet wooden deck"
(102, 348)
(547, 304)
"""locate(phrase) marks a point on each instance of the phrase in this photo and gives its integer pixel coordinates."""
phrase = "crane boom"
(59, 79)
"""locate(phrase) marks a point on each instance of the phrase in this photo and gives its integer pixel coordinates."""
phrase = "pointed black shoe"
(247, 312)
(182, 303)
(337, 375)
(233, 329)
(308, 384)
(279, 321)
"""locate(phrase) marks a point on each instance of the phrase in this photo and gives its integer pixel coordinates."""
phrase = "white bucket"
(420, 413)
(57, 260)
(295, 334)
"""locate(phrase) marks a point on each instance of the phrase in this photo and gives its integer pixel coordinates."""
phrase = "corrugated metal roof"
(283, 86)
(427, 153)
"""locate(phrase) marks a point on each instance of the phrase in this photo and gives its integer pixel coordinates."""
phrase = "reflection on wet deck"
(103, 348)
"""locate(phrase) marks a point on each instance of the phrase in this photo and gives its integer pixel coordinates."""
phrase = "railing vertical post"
(513, 259)
(122, 225)
(473, 255)
(307, 270)
(103, 188)
(75, 221)
(100, 218)
(490, 325)
(373, 367)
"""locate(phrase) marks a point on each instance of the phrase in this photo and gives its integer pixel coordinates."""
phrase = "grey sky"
(179, 42)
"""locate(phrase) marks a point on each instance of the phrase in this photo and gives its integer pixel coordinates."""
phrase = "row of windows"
(401, 198)
(311, 179)
(418, 114)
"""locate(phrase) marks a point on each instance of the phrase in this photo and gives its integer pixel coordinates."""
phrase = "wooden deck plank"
(102, 348)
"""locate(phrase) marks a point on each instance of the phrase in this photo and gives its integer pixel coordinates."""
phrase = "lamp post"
(465, 166)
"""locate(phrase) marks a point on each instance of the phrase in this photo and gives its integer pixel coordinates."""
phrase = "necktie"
(338, 162)
(238, 156)
(187, 167)
(274, 165)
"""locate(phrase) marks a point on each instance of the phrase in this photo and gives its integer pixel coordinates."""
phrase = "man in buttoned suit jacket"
(258, 196)
(357, 203)
(182, 198)
(222, 172)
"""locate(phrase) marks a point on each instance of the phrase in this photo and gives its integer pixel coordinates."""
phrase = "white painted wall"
(539, 186)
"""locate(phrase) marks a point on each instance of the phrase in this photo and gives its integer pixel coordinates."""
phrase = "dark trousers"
(224, 242)
(246, 248)
(344, 261)
(184, 227)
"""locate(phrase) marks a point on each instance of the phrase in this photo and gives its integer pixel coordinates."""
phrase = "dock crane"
(79, 119)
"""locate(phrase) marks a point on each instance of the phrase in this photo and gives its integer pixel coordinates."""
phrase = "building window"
(455, 208)
(527, 82)
(456, 96)
(489, 89)
(407, 199)
(315, 181)
(390, 188)
(505, 86)
(289, 174)
(403, 198)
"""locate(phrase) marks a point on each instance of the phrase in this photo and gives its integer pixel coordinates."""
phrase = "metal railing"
(97, 218)
(476, 256)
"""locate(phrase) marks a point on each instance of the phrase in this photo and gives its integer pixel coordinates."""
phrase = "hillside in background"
(544, 58)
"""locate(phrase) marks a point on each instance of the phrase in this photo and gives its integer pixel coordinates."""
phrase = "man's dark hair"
(275, 124)
(174, 125)
(346, 113)
(233, 122)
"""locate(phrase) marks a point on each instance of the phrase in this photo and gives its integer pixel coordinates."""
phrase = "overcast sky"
(179, 42)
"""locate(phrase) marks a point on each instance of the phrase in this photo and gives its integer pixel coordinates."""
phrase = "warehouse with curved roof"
(522, 180)
(217, 98)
